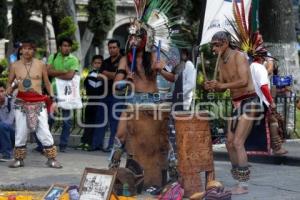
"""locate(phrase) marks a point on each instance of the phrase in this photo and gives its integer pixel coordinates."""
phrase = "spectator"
(109, 70)
(92, 138)
(63, 65)
(7, 132)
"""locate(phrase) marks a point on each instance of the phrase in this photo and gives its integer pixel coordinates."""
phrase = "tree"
(20, 21)
(69, 28)
(277, 26)
(101, 18)
(3, 18)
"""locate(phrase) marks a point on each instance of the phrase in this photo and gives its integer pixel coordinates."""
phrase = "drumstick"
(133, 59)
(158, 51)
(203, 66)
(217, 67)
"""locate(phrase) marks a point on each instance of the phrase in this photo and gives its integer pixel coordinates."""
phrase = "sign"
(216, 14)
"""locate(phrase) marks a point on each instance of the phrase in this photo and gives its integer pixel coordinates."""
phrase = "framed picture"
(55, 192)
(96, 184)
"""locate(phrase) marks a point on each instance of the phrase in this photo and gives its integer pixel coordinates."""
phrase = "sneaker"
(63, 149)
(86, 147)
(5, 159)
(80, 146)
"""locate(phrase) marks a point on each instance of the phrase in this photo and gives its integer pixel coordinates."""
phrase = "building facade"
(125, 10)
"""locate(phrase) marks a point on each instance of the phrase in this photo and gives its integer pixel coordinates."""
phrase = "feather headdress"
(244, 37)
(151, 16)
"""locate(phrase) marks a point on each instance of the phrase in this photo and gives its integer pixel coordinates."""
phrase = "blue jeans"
(113, 121)
(66, 129)
(99, 132)
(143, 97)
(7, 139)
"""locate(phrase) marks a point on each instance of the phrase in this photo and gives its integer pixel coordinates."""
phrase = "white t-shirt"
(260, 77)
(189, 83)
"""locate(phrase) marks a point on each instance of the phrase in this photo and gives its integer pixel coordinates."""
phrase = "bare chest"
(32, 72)
(229, 71)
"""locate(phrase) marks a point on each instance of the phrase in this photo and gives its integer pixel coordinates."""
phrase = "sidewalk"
(268, 182)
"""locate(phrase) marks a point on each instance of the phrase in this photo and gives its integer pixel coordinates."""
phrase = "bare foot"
(281, 151)
(237, 190)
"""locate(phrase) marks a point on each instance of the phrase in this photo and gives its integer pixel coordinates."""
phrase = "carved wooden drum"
(194, 150)
(147, 140)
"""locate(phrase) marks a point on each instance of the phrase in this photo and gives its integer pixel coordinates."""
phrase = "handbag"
(68, 93)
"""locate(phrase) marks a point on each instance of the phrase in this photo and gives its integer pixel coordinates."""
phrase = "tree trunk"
(86, 41)
(71, 11)
(46, 35)
(277, 26)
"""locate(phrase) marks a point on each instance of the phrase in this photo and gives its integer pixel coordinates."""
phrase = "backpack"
(172, 191)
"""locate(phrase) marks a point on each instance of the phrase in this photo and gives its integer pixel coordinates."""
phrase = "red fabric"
(266, 91)
(246, 96)
(35, 97)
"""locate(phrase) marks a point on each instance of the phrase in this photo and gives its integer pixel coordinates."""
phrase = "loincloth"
(243, 105)
(31, 104)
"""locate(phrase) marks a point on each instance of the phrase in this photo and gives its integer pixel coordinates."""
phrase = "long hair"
(147, 64)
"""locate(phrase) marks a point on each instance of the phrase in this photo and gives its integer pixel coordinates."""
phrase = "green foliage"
(3, 18)
(20, 20)
(4, 62)
(3, 68)
(101, 17)
(69, 28)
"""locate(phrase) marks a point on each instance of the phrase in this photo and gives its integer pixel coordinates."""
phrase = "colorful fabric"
(31, 104)
(173, 191)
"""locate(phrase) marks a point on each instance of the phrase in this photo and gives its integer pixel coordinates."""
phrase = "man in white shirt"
(261, 83)
(185, 82)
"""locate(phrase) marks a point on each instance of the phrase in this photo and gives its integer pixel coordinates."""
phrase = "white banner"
(215, 17)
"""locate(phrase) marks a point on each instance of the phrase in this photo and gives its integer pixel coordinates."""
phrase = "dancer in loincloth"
(234, 74)
(30, 107)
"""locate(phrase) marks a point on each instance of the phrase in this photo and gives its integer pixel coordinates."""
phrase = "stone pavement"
(269, 181)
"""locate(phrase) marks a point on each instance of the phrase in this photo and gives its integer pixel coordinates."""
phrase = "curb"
(273, 159)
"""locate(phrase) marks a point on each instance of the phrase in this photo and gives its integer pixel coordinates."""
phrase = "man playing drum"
(234, 74)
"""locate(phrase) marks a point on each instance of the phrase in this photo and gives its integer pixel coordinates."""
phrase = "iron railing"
(220, 108)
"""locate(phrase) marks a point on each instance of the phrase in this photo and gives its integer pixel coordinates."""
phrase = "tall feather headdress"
(244, 37)
(152, 16)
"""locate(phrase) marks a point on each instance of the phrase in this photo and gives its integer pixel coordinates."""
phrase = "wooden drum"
(147, 140)
(194, 150)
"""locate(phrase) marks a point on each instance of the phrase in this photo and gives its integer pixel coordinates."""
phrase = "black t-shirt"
(111, 67)
(94, 87)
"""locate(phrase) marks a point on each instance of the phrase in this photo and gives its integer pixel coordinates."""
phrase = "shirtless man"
(143, 82)
(234, 74)
(30, 106)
